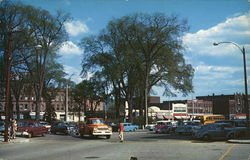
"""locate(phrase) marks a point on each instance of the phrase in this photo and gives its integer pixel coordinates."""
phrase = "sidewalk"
(16, 140)
(241, 141)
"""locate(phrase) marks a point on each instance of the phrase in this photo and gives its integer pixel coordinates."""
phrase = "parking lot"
(141, 144)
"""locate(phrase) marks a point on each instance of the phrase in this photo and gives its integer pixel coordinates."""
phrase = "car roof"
(95, 118)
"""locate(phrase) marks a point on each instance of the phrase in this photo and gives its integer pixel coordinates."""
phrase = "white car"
(150, 126)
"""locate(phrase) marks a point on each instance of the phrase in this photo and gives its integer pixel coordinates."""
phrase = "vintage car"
(46, 125)
(31, 129)
(95, 127)
(166, 129)
(62, 128)
(188, 127)
(235, 123)
(129, 127)
(151, 126)
(160, 124)
(219, 131)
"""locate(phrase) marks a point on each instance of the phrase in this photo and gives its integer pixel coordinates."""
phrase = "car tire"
(108, 137)
(30, 135)
(43, 134)
(206, 137)
(232, 135)
(81, 135)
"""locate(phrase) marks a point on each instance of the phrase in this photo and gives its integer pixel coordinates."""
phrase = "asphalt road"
(143, 145)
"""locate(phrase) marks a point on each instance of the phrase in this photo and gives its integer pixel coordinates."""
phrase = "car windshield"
(28, 125)
(97, 121)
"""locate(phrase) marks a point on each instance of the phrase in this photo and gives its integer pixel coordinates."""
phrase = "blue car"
(129, 127)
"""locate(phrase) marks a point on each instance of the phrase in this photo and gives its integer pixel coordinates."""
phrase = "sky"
(218, 69)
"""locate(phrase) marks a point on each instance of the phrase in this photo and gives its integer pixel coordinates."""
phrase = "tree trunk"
(17, 109)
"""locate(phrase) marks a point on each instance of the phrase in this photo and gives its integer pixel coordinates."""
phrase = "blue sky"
(218, 69)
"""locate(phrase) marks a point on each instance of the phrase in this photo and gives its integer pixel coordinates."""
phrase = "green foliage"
(33, 36)
(139, 51)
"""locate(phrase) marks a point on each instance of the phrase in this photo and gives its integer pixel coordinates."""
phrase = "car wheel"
(206, 137)
(81, 135)
(108, 137)
(232, 135)
(30, 135)
(43, 134)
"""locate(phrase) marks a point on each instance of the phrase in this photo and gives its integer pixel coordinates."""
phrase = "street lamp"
(67, 98)
(246, 106)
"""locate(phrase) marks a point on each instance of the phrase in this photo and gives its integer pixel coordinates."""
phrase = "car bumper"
(102, 133)
(22, 133)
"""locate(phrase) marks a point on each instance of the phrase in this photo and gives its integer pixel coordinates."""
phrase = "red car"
(31, 129)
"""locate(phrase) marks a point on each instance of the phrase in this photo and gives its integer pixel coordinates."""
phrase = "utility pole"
(67, 102)
(246, 106)
(7, 88)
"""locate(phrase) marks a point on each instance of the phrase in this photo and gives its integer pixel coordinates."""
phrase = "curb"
(239, 141)
(13, 141)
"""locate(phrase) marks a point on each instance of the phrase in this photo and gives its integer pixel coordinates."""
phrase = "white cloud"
(233, 29)
(73, 73)
(69, 48)
(76, 27)
(215, 73)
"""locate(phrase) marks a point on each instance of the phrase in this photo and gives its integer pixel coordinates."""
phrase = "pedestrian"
(121, 130)
(13, 129)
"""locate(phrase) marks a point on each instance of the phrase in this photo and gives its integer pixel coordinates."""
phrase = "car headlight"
(95, 129)
(110, 128)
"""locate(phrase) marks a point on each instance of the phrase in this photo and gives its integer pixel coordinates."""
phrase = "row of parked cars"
(220, 129)
(34, 128)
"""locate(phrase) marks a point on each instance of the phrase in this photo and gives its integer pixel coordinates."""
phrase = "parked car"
(115, 127)
(151, 126)
(219, 131)
(46, 125)
(166, 129)
(235, 123)
(62, 127)
(31, 129)
(2, 127)
(129, 127)
(95, 127)
(187, 127)
(160, 124)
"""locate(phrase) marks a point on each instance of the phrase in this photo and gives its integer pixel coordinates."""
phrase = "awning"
(168, 117)
(159, 116)
(182, 117)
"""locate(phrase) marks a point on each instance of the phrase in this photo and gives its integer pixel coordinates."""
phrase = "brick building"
(27, 106)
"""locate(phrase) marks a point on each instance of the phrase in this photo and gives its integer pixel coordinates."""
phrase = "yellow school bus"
(206, 119)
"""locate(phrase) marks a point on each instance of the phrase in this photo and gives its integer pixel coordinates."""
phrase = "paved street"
(143, 145)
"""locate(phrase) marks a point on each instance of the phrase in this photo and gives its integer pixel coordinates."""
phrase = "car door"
(219, 131)
(125, 125)
(33, 129)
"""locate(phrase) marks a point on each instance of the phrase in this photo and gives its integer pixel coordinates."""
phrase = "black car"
(235, 123)
(62, 128)
(2, 127)
(115, 127)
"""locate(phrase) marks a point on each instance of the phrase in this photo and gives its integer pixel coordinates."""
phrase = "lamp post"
(67, 98)
(246, 106)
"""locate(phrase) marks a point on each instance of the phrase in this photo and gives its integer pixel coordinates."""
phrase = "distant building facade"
(232, 106)
(27, 106)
